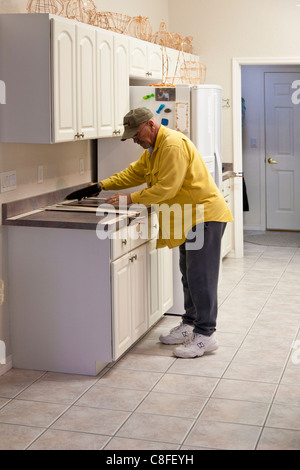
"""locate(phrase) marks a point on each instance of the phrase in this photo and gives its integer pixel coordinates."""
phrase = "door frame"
(237, 63)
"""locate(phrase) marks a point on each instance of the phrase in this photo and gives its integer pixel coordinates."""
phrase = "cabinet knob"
(132, 258)
(78, 136)
(149, 74)
(124, 242)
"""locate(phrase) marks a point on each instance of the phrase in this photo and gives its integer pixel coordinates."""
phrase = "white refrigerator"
(196, 111)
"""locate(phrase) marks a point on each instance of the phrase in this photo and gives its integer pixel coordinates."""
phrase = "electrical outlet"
(81, 166)
(40, 174)
(8, 181)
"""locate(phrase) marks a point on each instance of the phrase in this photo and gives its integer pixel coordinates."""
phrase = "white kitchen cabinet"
(59, 81)
(121, 81)
(145, 59)
(86, 300)
(25, 68)
(166, 270)
(86, 81)
(59, 299)
(64, 81)
(154, 283)
(112, 82)
(226, 246)
(48, 64)
(74, 81)
(129, 294)
(160, 281)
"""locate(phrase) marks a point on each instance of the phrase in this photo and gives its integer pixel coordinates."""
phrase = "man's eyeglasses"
(139, 132)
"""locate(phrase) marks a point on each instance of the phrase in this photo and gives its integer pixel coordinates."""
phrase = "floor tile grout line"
(134, 410)
(283, 368)
(61, 414)
(275, 392)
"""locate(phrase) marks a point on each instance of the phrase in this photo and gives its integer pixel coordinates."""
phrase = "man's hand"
(115, 201)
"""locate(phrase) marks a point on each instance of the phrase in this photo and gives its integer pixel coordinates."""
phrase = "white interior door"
(282, 124)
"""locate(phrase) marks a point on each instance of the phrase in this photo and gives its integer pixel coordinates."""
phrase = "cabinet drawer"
(129, 238)
(138, 232)
(120, 245)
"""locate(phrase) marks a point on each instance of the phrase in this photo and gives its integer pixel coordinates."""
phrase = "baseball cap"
(133, 120)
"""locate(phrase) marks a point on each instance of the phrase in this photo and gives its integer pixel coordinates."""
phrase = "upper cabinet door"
(138, 61)
(86, 82)
(154, 60)
(145, 59)
(105, 83)
(64, 81)
(121, 81)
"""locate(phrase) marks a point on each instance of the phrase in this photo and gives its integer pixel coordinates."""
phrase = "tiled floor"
(243, 396)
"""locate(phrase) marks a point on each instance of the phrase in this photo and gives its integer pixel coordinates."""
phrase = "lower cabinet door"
(154, 285)
(138, 277)
(121, 305)
(129, 299)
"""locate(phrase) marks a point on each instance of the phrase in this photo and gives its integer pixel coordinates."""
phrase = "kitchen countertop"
(227, 171)
(30, 212)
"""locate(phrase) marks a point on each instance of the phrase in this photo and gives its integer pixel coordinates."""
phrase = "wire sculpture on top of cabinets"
(81, 10)
(45, 6)
(140, 27)
(185, 71)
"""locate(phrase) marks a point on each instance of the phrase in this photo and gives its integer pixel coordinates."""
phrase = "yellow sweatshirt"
(178, 182)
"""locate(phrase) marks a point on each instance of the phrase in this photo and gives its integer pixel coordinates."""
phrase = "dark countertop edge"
(227, 170)
(22, 206)
(50, 224)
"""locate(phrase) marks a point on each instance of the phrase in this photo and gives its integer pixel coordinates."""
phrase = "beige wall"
(236, 28)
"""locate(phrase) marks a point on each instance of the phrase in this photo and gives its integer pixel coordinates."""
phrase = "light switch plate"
(8, 181)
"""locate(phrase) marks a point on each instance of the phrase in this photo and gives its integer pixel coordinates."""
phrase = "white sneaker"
(196, 345)
(177, 335)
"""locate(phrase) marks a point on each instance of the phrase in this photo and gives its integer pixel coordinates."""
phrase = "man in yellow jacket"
(177, 177)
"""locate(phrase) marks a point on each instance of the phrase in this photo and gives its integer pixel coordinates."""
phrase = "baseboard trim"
(7, 366)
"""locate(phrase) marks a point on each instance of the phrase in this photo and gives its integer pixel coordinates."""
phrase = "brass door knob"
(271, 161)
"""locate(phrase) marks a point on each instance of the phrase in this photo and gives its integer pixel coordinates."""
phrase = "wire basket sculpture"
(140, 27)
(118, 22)
(102, 20)
(81, 10)
(187, 44)
(193, 72)
(162, 37)
(45, 6)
